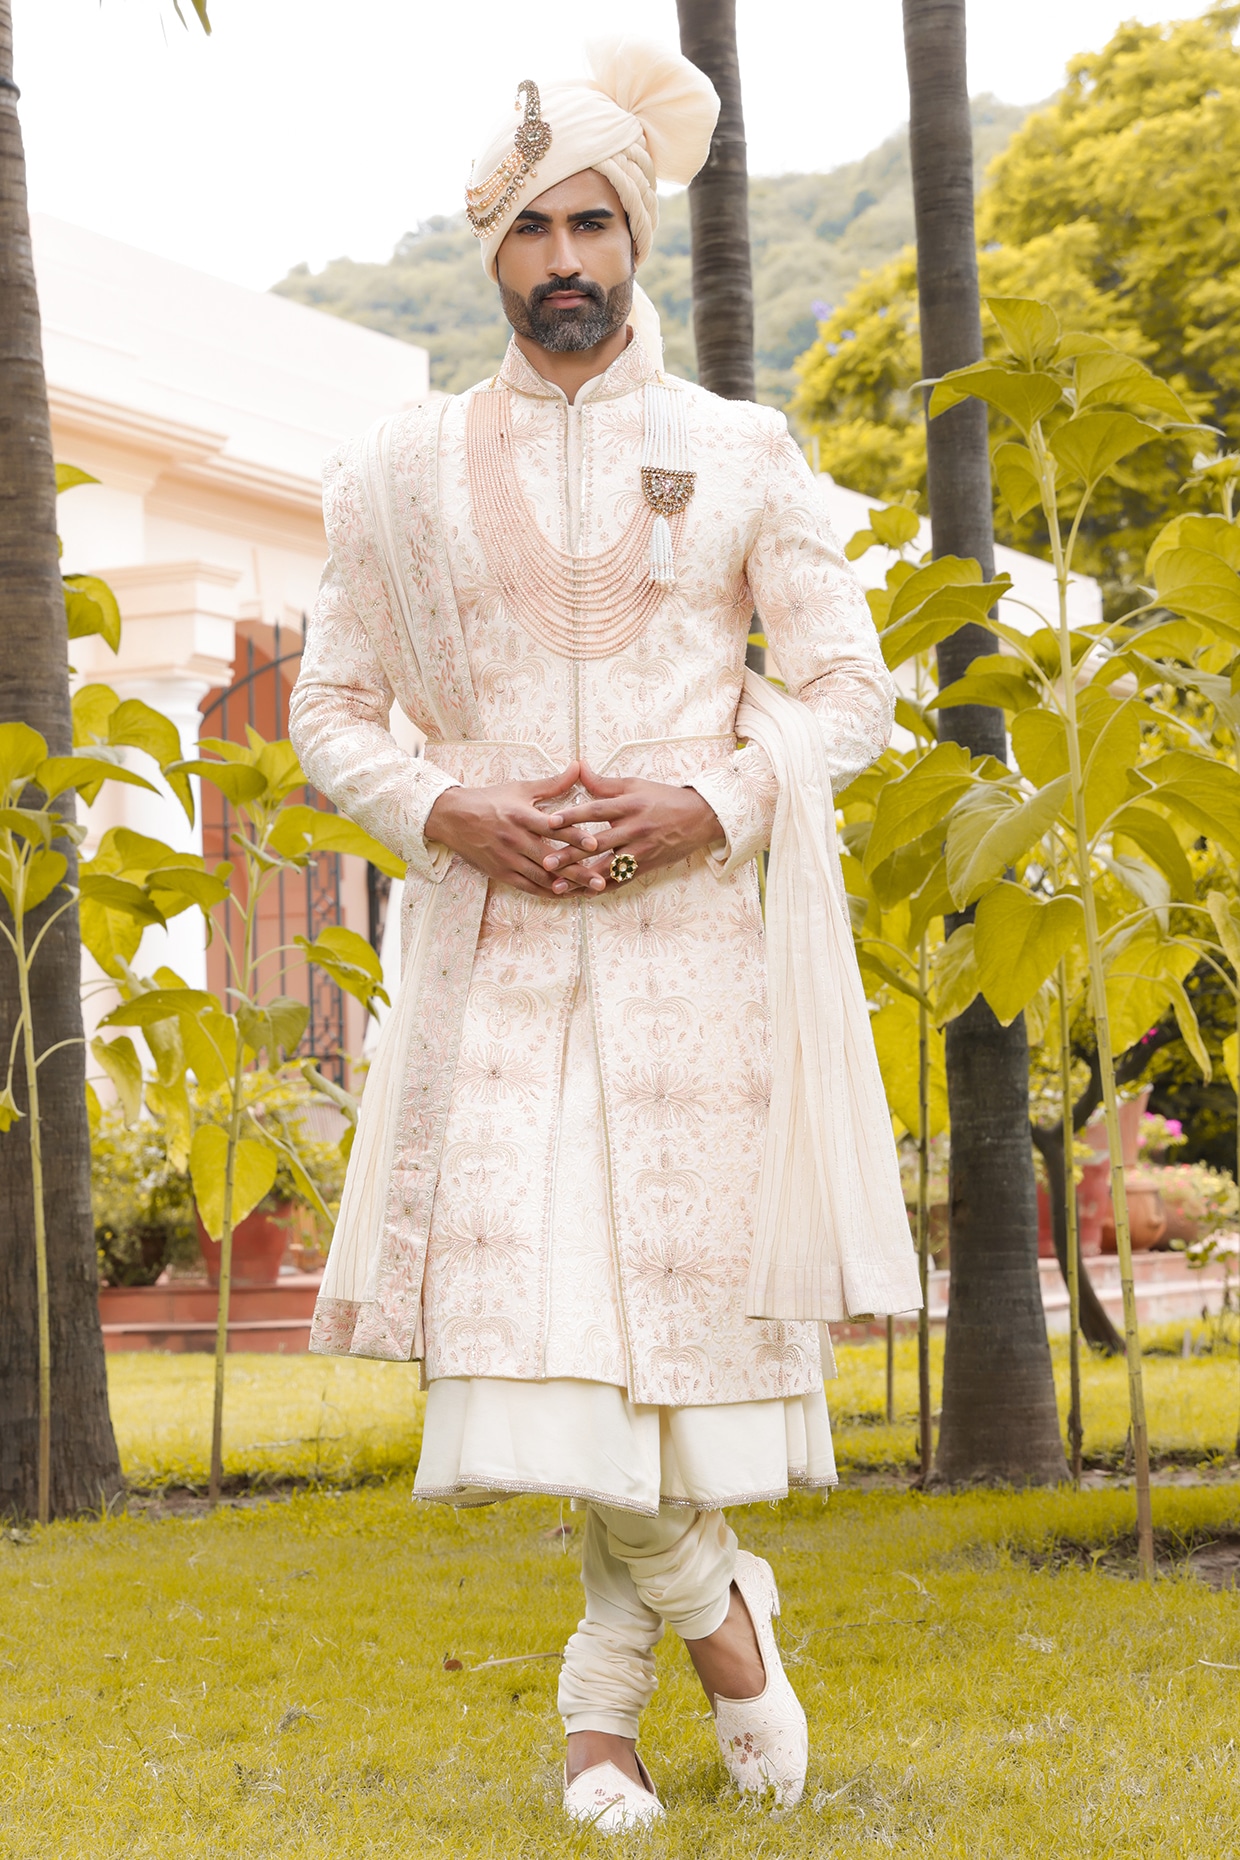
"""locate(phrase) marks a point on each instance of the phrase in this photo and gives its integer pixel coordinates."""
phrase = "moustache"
(584, 287)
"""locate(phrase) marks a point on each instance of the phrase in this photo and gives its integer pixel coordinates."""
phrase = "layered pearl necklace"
(582, 607)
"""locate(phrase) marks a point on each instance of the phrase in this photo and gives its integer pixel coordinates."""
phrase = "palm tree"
(34, 689)
(999, 1414)
(719, 220)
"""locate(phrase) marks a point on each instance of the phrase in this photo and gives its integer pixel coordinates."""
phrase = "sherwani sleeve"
(340, 706)
(823, 642)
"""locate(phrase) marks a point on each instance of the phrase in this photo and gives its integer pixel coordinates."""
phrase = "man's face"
(566, 265)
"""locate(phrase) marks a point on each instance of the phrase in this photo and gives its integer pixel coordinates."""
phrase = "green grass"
(343, 1421)
(269, 1683)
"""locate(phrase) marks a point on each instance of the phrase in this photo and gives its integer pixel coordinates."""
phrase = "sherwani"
(585, 1110)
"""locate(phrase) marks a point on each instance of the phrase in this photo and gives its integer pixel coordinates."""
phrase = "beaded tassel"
(667, 482)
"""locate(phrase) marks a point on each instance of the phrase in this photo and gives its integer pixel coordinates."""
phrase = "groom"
(552, 1197)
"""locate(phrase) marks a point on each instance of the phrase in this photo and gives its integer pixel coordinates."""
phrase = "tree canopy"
(1116, 204)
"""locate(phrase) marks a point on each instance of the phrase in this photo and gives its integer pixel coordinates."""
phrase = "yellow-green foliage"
(1116, 205)
(269, 1684)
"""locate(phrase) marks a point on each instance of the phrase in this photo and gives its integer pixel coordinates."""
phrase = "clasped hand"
(514, 832)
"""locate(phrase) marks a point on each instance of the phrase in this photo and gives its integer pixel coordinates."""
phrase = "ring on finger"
(623, 867)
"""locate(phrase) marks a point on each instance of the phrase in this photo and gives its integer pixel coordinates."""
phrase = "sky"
(306, 129)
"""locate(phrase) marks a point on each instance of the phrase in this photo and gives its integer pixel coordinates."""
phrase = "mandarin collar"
(631, 370)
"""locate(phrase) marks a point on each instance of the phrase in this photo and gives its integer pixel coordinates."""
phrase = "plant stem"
(925, 1434)
(40, 1214)
(1102, 1024)
(1070, 1215)
(891, 1368)
(225, 1291)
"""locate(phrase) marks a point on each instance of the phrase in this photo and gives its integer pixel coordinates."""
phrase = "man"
(554, 1197)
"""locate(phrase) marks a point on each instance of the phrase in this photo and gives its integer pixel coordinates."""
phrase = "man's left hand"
(657, 824)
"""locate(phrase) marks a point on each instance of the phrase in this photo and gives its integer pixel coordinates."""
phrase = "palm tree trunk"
(34, 689)
(719, 226)
(719, 210)
(999, 1415)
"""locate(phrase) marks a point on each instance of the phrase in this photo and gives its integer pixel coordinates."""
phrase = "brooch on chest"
(581, 606)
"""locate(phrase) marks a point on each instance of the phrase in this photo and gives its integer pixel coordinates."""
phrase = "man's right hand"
(505, 833)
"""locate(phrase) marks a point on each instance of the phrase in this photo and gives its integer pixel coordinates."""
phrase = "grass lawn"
(270, 1682)
(344, 1421)
(983, 1676)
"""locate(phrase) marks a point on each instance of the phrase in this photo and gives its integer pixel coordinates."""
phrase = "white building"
(205, 410)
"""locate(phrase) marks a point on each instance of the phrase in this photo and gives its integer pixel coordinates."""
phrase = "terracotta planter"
(1089, 1234)
(1093, 1206)
(1147, 1218)
(259, 1245)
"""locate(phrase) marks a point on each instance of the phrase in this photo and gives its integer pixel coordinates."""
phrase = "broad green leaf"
(135, 725)
(955, 974)
(884, 974)
(170, 1103)
(350, 961)
(167, 1047)
(210, 1043)
(1040, 745)
(134, 855)
(176, 888)
(858, 543)
(9, 1112)
(1088, 445)
(69, 475)
(235, 780)
(912, 717)
(1029, 327)
(949, 571)
(92, 706)
(119, 894)
(1156, 838)
(1017, 478)
(159, 1004)
(277, 763)
(907, 870)
(993, 678)
(896, 1041)
(119, 1059)
(91, 608)
(1136, 972)
(1144, 881)
(231, 752)
(1023, 398)
(254, 1172)
(1018, 941)
(1212, 533)
(931, 901)
(1180, 637)
(58, 773)
(990, 830)
(34, 824)
(895, 525)
(1202, 587)
(1109, 753)
(1231, 1062)
(909, 807)
(21, 751)
(1110, 379)
(1186, 1021)
(44, 871)
(1203, 790)
(1225, 914)
(944, 613)
(279, 1024)
(301, 830)
(112, 937)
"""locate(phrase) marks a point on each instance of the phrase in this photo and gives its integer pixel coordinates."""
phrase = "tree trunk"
(34, 689)
(999, 1416)
(719, 210)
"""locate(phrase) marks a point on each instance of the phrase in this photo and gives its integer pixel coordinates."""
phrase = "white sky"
(303, 129)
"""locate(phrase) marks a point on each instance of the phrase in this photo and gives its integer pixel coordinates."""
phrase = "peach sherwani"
(578, 1113)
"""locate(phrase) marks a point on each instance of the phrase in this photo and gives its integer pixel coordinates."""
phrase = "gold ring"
(623, 867)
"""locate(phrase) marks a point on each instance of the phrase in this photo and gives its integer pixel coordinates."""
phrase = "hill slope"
(812, 236)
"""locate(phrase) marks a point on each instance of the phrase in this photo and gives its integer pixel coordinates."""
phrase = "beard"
(562, 331)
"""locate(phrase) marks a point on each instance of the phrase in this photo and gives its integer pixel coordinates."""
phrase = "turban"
(644, 115)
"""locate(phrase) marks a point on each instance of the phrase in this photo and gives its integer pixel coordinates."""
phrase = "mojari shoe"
(765, 1740)
(609, 1800)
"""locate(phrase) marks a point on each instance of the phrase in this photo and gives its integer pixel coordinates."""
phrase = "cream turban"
(644, 115)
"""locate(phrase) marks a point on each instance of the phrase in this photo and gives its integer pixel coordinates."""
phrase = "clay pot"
(1147, 1218)
(259, 1244)
(1093, 1206)
(1089, 1232)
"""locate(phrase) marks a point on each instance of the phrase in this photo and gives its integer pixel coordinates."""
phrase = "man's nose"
(562, 261)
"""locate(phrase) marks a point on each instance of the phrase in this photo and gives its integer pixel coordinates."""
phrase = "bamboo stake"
(40, 1211)
(1102, 1027)
(1070, 1215)
(925, 1432)
(225, 1291)
(891, 1368)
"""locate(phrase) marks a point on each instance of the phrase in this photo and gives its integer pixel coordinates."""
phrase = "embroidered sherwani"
(586, 1104)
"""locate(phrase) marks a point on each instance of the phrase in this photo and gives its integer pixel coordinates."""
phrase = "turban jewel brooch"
(489, 202)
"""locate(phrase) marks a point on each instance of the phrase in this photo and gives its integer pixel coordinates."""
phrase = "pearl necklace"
(582, 607)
